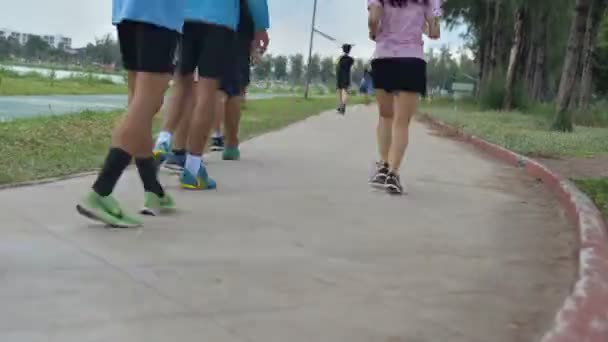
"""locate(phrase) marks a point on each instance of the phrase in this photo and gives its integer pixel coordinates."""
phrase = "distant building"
(57, 41)
(461, 90)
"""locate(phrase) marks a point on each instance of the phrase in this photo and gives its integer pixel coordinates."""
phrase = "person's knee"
(386, 111)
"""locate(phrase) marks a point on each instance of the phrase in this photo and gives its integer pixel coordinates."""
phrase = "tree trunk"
(528, 71)
(596, 11)
(540, 46)
(514, 58)
(563, 118)
(495, 35)
(485, 46)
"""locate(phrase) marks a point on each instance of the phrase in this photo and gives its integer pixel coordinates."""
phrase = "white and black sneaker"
(378, 179)
(393, 184)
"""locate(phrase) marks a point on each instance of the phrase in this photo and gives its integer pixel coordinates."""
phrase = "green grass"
(46, 147)
(597, 189)
(524, 133)
(39, 85)
(61, 66)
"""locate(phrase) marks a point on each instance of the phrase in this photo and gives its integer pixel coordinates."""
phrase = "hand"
(255, 56)
(433, 29)
(261, 41)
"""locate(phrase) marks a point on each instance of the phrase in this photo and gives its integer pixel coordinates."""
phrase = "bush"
(493, 95)
(595, 116)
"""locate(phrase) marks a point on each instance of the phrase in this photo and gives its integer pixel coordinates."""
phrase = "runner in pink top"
(399, 75)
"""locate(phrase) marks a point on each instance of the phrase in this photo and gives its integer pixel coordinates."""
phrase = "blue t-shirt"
(259, 13)
(164, 13)
(226, 12)
(218, 12)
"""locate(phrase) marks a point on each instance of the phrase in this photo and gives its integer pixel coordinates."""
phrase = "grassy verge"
(597, 189)
(38, 85)
(62, 145)
(61, 66)
(527, 134)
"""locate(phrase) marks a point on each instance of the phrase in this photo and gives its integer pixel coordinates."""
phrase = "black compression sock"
(180, 152)
(115, 164)
(147, 168)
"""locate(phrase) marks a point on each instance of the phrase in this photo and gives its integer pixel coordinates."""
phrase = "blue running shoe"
(161, 151)
(202, 181)
(175, 162)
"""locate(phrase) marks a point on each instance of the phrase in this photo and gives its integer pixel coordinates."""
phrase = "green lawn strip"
(55, 146)
(71, 86)
(597, 189)
(523, 133)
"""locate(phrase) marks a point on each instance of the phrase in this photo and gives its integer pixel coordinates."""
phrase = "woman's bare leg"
(405, 104)
(385, 123)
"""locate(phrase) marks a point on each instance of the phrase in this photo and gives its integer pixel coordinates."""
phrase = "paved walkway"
(294, 247)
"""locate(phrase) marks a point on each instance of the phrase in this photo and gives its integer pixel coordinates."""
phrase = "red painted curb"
(584, 315)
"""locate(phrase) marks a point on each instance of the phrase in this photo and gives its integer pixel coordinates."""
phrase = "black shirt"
(344, 66)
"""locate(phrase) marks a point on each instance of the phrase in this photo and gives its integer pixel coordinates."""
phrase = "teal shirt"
(226, 12)
(260, 13)
(164, 13)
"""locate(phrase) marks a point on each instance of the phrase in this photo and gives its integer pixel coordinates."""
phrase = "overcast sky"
(83, 20)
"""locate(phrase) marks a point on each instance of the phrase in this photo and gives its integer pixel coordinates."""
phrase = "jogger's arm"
(373, 21)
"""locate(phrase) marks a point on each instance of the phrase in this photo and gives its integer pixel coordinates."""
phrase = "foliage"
(597, 189)
(529, 134)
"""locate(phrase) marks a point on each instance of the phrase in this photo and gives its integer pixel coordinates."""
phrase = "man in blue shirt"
(210, 28)
(148, 31)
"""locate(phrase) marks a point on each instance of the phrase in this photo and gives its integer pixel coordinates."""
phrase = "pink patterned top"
(401, 28)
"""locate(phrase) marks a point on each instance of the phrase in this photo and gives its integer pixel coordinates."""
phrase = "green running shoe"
(231, 153)
(155, 205)
(106, 210)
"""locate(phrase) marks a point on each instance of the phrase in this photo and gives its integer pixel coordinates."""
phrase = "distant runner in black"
(345, 64)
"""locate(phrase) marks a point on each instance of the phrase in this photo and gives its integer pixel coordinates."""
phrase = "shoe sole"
(216, 149)
(92, 216)
(377, 184)
(393, 190)
(173, 168)
(194, 188)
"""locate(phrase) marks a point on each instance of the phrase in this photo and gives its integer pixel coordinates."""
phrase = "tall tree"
(263, 69)
(296, 67)
(358, 68)
(315, 68)
(540, 46)
(327, 70)
(36, 48)
(601, 62)
(520, 15)
(280, 68)
(596, 13)
(563, 118)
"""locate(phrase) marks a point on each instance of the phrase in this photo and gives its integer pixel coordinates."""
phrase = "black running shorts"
(147, 47)
(238, 74)
(206, 46)
(400, 74)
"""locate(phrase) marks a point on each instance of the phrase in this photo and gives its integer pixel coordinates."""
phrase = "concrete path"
(294, 247)
(12, 107)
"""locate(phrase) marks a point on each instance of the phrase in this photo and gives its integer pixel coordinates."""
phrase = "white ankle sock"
(163, 137)
(217, 134)
(193, 163)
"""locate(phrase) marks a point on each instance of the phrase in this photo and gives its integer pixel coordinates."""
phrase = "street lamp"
(313, 30)
(312, 37)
